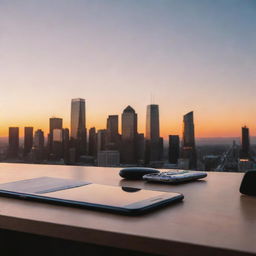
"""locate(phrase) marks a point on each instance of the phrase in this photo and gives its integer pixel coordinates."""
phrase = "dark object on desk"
(248, 185)
(136, 173)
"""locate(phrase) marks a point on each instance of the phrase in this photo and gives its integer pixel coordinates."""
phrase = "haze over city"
(191, 55)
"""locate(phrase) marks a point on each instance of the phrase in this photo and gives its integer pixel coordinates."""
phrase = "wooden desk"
(214, 219)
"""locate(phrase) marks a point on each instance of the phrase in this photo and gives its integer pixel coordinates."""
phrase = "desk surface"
(213, 219)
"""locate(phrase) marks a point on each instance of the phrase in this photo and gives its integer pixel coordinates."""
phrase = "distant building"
(54, 123)
(13, 149)
(129, 134)
(211, 162)
(28, 140)
(92, 142)
(57, 147)
(189, 147)
(174, 149)
(153, 151)
(38, 147)
(112, 135)
(140, 148)
(108, 158)
(183, 163)
(78, 126)
(245, 149)
(65, 144)
(39, 139)
(101, 140)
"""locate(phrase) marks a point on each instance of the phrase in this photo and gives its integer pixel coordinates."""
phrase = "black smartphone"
(124, 200)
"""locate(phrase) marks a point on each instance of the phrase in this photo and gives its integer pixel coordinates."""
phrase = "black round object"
(130, 190)
(248, 185)
(136, 173)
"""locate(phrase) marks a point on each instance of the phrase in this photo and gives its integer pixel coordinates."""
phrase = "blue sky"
(190, 55)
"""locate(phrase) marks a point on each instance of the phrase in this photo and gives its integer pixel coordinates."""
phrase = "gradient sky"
(189, 55)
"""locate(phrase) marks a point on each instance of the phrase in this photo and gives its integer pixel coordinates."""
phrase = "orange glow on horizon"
(230, 129)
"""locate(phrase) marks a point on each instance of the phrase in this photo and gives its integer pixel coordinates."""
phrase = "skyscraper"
(174, 148)
(92, 142)
(78, 125)
(152, 123)
(13, 149)
(38, 148)
(245, 149)
(28, 140)
(65, 139)
(112, 136)
(101, 140)
(54, 123)
(188, 145)
(39, 139)
(140, 148)
(153, 141)
(129, 134)
(57, 146)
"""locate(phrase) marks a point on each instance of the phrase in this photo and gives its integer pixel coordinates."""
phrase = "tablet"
(124, 200)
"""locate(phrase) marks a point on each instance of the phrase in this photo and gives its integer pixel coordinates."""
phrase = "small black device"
(130, 201)
(248, 184)
(175, 176)
(136, 173)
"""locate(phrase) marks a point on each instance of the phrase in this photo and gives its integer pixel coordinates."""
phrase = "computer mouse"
(136, 173)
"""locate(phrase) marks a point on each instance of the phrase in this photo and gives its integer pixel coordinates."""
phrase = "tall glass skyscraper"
(174, 148)
(245, 149)
(188, 145)
(129, 133)
(153, 140)
(112, 136)
(13, 149)
(77, 118)
(78, 125)
(188, 130)
(152, 123)
(54, 123)
(28, 140)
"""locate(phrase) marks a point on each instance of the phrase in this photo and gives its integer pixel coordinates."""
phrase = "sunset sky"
(195, 55)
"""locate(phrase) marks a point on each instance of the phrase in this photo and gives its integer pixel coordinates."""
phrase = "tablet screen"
(105, 195)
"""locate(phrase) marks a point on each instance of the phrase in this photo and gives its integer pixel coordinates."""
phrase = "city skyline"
(141, 127)
(188, 55)
(108, 147)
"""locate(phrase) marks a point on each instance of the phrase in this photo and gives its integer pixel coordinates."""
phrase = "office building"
(108, 158)
(140, 148)
(65, 144)
(54, 123)
(153, 152)
(152, 122)
(174, 149)
(101, 140)
(112, 135)
(13, 149)
(57, 147)
(38, 147)
(129, 135)
(188, 144)
(78, 126)
(92, 142)
(39, 139)
(28, 140)
(245, 147)
(184, 163)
